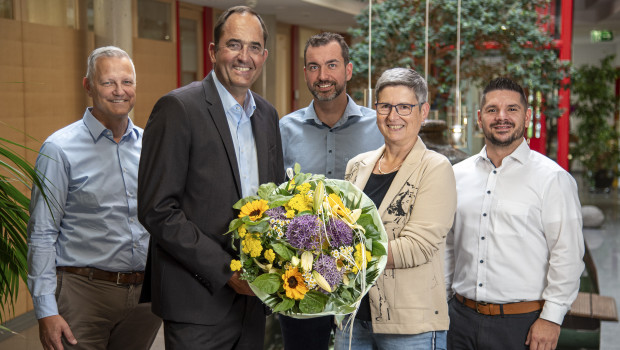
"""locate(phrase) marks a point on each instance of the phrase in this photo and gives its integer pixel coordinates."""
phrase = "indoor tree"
(497, 38)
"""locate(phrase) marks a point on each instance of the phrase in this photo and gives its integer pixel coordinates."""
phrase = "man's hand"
(51, 329)
(543, 335)
(240, 286)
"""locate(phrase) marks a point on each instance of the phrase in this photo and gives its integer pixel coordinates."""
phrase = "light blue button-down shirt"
(320, 149)
(92, 220)
(240, 127)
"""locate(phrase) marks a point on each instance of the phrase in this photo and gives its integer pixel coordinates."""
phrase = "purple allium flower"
(304, 232)
(339, 233)
(278, 213)
(326, 266)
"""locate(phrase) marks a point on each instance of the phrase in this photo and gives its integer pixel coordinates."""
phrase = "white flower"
(321, 281)
(295, 261)
(306, 261)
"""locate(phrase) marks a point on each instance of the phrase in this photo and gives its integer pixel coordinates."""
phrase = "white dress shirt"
(517, 233)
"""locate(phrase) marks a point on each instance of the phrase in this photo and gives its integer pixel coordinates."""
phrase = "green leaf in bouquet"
(365, 220)
(243, 201)
(371, 275)
(313, 302)
(301, 178)
(369, 244)
(279, 200)
(346, 296)
(267, 283)
(265, 190)
(333, 189)
(377, 249)
(284, 305)
(257, 226)
(368, 209)
(297, 168)
(235, 224)
(282, 251)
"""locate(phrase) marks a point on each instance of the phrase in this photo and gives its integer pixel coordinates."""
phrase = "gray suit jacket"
(188, 181)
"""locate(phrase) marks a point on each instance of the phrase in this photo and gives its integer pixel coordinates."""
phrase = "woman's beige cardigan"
(417, 212)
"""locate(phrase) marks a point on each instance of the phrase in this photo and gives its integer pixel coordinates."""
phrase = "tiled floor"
(604, 244)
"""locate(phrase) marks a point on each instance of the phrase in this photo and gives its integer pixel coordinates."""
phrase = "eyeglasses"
(236, 46)
(403, 109)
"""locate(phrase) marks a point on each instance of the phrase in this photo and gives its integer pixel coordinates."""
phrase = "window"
(6, 9)
(154, 20)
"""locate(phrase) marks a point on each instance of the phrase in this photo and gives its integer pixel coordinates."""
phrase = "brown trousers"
(103, 315)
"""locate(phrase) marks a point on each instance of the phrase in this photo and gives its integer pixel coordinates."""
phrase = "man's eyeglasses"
(403, 109)
(253, 49)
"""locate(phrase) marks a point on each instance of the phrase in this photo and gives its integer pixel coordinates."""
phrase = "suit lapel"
(218, 115)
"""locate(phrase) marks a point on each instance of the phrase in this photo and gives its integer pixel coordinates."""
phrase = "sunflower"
(294, 284)
(254, 209)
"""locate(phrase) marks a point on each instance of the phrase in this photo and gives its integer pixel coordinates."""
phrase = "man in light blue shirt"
(322, 138)
(86, 247)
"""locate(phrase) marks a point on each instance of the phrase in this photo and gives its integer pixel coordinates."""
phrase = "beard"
(320, 96)
(517, 134)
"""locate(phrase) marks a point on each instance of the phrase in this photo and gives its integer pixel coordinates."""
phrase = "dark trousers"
(306, 334)
(470, 330)
(242, 329)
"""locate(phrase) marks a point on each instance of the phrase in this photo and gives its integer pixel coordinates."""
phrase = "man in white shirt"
(515, 252)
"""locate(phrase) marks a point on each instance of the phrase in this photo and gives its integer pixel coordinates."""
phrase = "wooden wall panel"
(155, 63)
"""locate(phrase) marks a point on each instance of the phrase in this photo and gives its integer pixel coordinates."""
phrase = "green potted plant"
(16, 175)
(595, 102)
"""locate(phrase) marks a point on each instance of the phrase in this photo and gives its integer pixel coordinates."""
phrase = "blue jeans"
(364, 339)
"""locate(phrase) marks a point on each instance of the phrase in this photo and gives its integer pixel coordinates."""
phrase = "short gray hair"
(105, 51)
(403, 77)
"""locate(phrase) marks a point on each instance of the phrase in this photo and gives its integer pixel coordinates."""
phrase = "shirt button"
(482, 238)
(481, 261)
(494, 171)
(479, 284)
(329, 172)
(484, 214)
(330, 151)
(488, 192)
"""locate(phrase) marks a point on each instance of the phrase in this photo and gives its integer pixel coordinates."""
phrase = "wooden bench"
(594, 306)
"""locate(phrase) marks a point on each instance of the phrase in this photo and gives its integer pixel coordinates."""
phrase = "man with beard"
(515, 252)
(322, 138)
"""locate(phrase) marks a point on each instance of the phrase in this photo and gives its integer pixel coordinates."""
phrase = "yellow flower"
(299, 203)
(252, 246)
(270, 255)
(304, 188)
(290, 214)
(294, 284)
(337, 206)
(235, 265)
(242, 231)
(254, 209)
(358, 257)
(291, 185)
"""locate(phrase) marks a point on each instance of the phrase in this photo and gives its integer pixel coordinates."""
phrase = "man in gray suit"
(205, 146)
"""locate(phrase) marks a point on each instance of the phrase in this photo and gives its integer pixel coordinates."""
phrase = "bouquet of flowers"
(309, 247)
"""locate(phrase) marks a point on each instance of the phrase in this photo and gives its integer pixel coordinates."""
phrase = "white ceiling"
(328, 15)
(338, 15)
